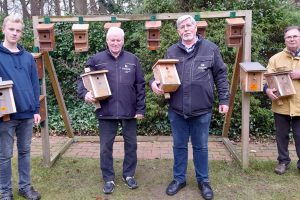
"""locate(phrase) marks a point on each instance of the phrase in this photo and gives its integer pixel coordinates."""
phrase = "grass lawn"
(78, 179)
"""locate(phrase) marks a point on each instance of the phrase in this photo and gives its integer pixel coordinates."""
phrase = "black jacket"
(199, 72)
(126, 81)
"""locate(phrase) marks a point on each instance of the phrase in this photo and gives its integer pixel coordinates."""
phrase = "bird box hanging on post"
(7, 101)
(166, 75)
(107, 25)
(282, 82)
(81, 38)
(251, 75)
(234, 32)
(46, 36)
(153, 34)
(96, 82)
(201, 27)
(39, 64)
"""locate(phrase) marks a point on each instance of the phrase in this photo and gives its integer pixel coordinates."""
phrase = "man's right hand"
(89, 98)
(156, 89)
(270, 94)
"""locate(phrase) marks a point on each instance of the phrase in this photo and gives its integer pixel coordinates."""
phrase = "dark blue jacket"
(20, 67)
(199, 71)
(126, 81)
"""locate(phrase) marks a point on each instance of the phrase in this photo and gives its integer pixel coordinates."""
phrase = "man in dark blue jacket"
(18, 65)
(124, 106)
(200, 68)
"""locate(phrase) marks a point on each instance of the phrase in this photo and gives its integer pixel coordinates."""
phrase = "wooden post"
(245, 129)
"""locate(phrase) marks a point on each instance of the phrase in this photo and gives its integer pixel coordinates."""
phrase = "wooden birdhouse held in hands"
(234, 32)
(166, 75)
(201, 27)
(251, 76)
(46, 36)
(153, 34)
(7, 101)
(96, 82)
(282, 82)
(81, 38)
(39, 64)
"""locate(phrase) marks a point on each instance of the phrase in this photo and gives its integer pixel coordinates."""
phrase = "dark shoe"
(30, 194)
(174, 187)
(206, 190)
(281, 168)
(6, 197)
(130, 182)
(109, 187)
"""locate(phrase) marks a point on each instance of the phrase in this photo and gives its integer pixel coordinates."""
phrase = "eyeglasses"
(292, 37)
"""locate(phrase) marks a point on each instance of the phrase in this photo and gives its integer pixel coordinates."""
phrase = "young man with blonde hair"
(18, 65)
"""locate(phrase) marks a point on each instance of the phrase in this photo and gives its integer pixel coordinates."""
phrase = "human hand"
(270, 93)
(89, 98)
(156, 89)
(223, 108)
(36, 119)
(139, 116)
(295, 74)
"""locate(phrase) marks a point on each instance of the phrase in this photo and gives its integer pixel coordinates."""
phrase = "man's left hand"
(139, 116)
(223, 108)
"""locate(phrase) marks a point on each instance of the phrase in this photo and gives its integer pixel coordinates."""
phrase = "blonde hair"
(14, 19)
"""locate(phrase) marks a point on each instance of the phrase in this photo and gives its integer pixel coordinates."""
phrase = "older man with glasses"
(287, 113)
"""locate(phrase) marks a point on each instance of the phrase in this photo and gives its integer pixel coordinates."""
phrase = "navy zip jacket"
(126, 81)
(199, 71)
(20, 67)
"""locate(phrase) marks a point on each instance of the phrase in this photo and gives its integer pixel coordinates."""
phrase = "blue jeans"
(23, 131)
(198, 128)
(108, 130)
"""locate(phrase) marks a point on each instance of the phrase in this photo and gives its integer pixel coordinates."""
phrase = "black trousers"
(107, 133)
(284, 124)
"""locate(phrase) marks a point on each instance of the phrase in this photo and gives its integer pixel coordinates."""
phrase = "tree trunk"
(36, 9)
(93, 7)
(70, 7)
(57, 9)
(4, 7)
(24, 9)
(80, 7)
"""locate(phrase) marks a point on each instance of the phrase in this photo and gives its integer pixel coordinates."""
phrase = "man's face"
(292, 39)
(115, 43)
(12, 32)
(187, 30)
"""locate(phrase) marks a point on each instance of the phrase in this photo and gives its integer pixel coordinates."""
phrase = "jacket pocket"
(201, 70)
(127, 73)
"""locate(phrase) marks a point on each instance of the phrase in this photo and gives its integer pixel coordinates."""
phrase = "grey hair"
(14, 19)
(291, 28)
(115, 29)
(183, 18)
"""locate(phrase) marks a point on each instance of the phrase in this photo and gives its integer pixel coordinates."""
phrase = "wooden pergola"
(243, 55)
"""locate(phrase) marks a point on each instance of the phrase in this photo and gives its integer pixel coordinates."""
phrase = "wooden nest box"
(96, 82)
(251, 76)
(165, 73)
(234, 32)
(201, 27)
(46, 36)
(7, 101)
(282, 82)
(39, 64)
(107, 25)
(153, 34)
(81, 37)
